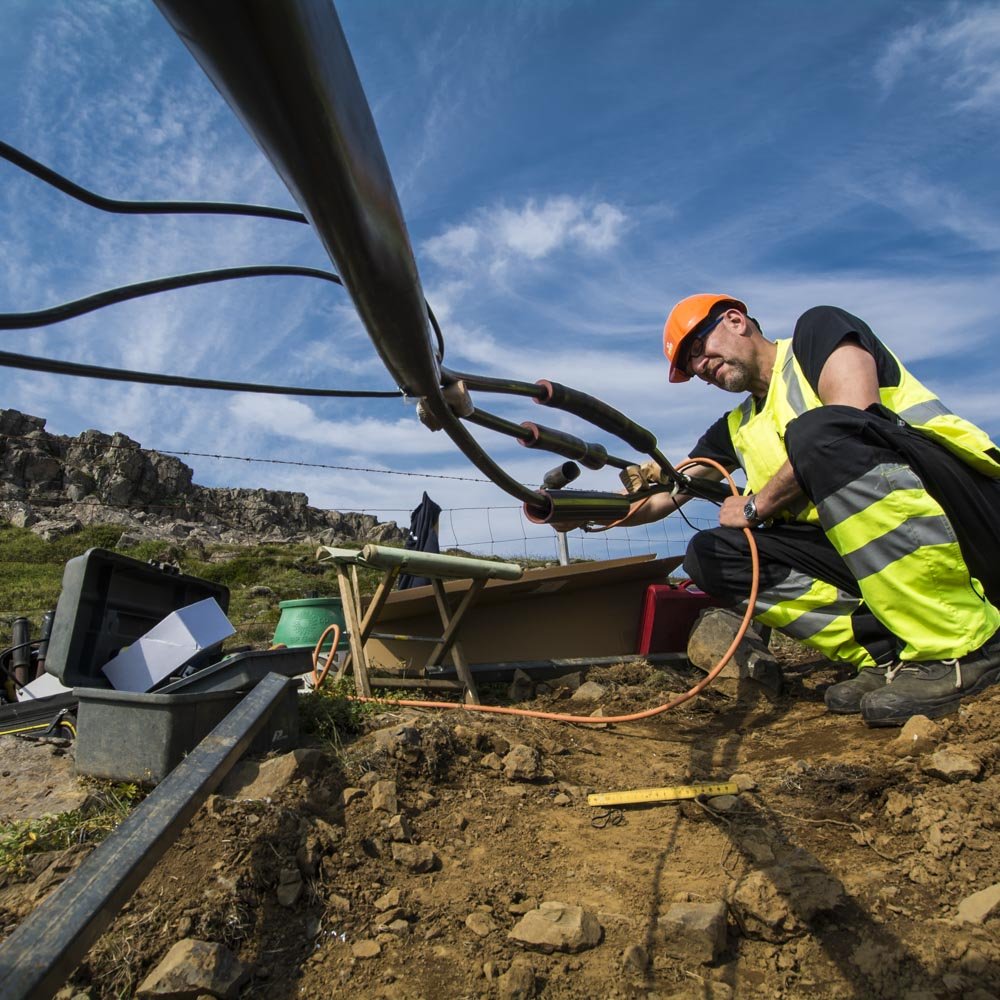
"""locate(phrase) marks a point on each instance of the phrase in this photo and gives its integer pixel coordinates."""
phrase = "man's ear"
(738, 322)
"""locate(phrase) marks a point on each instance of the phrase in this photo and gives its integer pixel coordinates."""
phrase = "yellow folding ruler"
(672, 793)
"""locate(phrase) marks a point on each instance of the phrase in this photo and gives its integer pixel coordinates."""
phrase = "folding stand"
(360, 627)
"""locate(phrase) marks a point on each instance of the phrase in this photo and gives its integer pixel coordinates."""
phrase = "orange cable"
(601, 720)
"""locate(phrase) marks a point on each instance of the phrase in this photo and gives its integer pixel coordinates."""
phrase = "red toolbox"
(669, 611)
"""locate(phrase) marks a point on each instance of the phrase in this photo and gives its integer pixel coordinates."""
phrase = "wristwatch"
(750, 511)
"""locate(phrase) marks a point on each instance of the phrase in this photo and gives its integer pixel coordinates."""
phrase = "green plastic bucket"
(303, 622)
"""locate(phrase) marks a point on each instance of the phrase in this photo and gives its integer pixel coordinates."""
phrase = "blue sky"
(567, 170)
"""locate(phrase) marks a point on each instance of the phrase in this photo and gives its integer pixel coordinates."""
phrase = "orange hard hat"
(684, 319)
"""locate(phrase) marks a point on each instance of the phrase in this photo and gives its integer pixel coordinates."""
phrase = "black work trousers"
(831, 449)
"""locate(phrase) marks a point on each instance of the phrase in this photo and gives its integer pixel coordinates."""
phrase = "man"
(877, 509)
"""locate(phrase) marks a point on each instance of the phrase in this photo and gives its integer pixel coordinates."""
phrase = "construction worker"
(876, 509)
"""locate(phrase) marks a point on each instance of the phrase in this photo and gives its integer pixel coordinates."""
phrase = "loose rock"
(980, 906)
(194, 967)
(556, 926)
(950, 765)
(384, 797)
(366, 949)
(590, 691)
(415, 858)
(919, 736)
(778, 902)
(263, 780)
(695, 930)
(480, 923)
(518, 982)
(523, 763)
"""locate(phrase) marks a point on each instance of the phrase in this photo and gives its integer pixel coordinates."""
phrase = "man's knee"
(719, 563)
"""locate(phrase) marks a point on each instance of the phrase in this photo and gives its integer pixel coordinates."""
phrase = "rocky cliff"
(55, 484)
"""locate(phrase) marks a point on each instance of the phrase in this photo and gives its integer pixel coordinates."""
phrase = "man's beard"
(736, 377)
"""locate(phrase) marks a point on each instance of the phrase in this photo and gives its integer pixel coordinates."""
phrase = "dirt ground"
(841, 871)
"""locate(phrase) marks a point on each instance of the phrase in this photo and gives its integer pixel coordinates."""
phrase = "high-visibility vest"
(758, 436)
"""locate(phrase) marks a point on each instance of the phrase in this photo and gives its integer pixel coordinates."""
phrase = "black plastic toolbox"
(107, 602)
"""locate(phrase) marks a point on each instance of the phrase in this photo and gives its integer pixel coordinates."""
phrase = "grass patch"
(330, 714)
(88, 825)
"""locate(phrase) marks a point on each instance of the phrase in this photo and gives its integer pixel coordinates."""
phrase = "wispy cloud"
(959, 49)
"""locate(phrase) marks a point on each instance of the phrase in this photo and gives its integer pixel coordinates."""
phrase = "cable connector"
(459, 401)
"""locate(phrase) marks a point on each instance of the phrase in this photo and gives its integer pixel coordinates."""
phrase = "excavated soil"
(841, 870)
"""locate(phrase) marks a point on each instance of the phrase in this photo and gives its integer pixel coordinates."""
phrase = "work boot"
(932, 688)
(845, 698)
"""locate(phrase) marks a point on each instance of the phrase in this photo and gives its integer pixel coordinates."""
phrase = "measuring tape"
(672, 793)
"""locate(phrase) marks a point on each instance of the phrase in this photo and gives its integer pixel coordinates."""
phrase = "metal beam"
(38, 957)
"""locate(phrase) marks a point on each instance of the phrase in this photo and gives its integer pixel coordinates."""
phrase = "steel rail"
(42, 952)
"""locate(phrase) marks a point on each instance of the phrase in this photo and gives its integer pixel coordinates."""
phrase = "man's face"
(725, 355)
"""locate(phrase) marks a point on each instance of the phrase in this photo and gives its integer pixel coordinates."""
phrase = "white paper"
(166, 647)
(41, 687)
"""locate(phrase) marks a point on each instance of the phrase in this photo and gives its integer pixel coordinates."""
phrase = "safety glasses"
(696, 344)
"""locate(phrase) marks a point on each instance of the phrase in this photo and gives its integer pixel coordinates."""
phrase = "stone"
(635, 959)
(744, 782)
(518, 982)
(723, 803)
(384, 797)
(950, 765)
(480, 923)
(389, 900)
(523, 763)
(399, 828)
(713, 634)
(194, 967)
(561, 799)
(265, 779)
(980, 906)
(897, 804)
(289, 886)
(366, 948)
(918, 736)
(589, 691)
(349, 795)
(557, 926)
(492, 762)
(570, 681)
(400, 741)
(694, 930)
(777, 903)
(341, 904)
(521, 687)
(415, 858)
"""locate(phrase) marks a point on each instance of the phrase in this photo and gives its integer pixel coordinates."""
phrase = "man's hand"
(731, 513)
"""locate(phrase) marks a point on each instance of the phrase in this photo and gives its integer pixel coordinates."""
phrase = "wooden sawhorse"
(392, 561)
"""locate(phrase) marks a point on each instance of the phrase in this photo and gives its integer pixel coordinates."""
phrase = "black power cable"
(69, 310)
(122, 207)
(28, 363)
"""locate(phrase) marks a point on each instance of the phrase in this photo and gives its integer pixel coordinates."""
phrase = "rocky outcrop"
(54, 484)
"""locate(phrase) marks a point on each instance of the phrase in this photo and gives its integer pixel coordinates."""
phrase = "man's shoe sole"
(932, 709)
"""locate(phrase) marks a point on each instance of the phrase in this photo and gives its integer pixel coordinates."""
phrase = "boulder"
(264, 779)
(415, 858)
(193, 968)
(919, 736)
(556, 926)
(713, 634)
(778, 903)
(951, 765)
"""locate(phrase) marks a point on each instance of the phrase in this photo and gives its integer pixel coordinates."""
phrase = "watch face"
(750, 511)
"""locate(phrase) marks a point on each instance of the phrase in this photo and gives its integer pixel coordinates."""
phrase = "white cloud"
(959, 49)
(498, 235)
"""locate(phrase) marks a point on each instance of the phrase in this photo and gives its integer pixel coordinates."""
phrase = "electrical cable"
(585, 720)
(112, 296)
(29, 363)
(122, 207)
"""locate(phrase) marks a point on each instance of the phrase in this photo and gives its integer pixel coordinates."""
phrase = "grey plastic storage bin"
(143, 737)
(108, 601)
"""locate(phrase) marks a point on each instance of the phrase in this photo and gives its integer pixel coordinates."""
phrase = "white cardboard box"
(166, 647)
